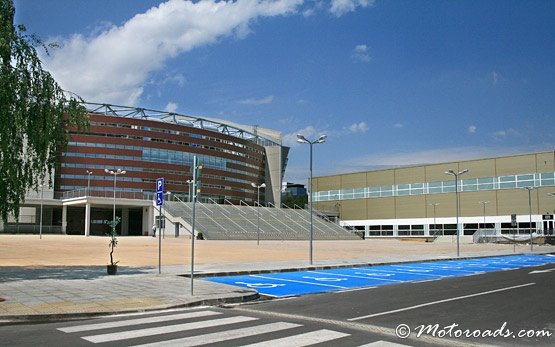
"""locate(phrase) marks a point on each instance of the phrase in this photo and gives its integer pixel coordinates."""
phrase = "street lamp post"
(190, 183)
(434, 204)
(457, 174)
(115, 173)
(263, 185)
(89, 173)
(41, 198)
(302, 139)
(529, 189)
(484, 203)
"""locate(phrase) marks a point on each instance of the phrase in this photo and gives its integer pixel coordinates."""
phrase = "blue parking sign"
(159, 198)
(159, 185)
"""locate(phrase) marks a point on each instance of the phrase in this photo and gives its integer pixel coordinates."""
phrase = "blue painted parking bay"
(308, 282)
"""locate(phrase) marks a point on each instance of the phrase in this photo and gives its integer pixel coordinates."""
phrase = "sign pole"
(194, 195)
(159, 202)
(160, 240)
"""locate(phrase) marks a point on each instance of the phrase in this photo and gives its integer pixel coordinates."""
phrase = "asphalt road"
(512, 300)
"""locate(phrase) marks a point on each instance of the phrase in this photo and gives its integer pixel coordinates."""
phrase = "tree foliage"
(291, 201)
(35, 114)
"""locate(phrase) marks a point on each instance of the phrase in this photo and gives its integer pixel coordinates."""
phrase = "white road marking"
(383, 344)
(438, 302)
(223, 335)
(166, 329)
(295, 281)
(300, 340)
(353, 276)
(137, 321)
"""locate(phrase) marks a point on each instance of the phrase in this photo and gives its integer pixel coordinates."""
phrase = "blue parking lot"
(318, 281)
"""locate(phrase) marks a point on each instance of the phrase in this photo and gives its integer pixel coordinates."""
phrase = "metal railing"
(81, 193)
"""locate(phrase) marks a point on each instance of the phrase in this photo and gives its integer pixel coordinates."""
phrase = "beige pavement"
(62, 275)
(65, 250)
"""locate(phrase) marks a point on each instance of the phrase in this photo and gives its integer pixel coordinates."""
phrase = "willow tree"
(35, 114)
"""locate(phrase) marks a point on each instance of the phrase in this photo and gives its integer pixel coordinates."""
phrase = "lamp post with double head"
(41, 203)
(190, 183)
(529, 189)
(89, 173)
(263, 185)
(434, 204)
(457, 174)
(302, 139)
(115, 173)
(484, 203)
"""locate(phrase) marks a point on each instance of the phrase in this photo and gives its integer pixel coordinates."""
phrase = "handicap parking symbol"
(325, 279)
(261, 285)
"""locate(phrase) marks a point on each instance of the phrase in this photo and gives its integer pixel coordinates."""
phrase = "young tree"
(35, 114)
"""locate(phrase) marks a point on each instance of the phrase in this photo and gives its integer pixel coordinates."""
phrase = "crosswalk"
(204, 326)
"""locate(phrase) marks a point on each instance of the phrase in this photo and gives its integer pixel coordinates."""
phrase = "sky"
(390, 82)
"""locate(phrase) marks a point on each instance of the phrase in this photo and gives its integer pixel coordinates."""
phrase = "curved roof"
(262, 136)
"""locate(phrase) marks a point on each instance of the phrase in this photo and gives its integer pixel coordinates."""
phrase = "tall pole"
(160, 239)
(114, 216)
(254, 185)
(190, 183)
(529, 189)
(194, 198)
(302, 139)
(434, 204)
(258, 216)
(115, 173)
(484, 209)
(41, 197)
(310, 204)
(457, 174)
(89, 173)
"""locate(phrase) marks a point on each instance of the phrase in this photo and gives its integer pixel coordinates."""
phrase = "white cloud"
(506, 133)
(170, 107)
(262, 101)
(494, 77)
(309, 132)
(398, 125)
(360, 127)
(443, 155)
(178, 79)
(472, 129)
(341, 7)
(360, 53)
(112, 65)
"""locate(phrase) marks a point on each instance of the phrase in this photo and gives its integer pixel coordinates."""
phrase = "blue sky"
(390, 82)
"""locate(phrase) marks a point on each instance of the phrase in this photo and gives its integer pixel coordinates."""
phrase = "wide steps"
(231, 222)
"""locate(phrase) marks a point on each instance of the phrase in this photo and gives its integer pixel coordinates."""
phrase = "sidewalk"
(40, 293)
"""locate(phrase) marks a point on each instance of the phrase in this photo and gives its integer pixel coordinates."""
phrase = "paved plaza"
(66, 275)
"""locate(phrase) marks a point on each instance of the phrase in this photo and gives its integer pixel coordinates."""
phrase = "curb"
(331, 267)
(40, 318)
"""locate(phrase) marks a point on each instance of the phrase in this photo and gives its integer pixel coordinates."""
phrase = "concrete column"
(64, 219)
(87, 219)
(148, 219)
(124, 221)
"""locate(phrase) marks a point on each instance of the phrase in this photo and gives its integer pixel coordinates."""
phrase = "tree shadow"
(15, 273)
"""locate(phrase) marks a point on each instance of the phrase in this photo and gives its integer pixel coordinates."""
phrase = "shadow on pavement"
(14, 273)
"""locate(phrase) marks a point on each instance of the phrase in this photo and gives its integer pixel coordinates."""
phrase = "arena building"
(147, 145)
(420, 201)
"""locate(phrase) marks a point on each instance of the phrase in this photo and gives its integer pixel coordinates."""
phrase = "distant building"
(147, 145)
(419, 200)
(293, 190)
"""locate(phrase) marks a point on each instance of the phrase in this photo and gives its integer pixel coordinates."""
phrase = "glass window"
(435, 187)
(386, 191)
(417, 189)
(507, 185)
